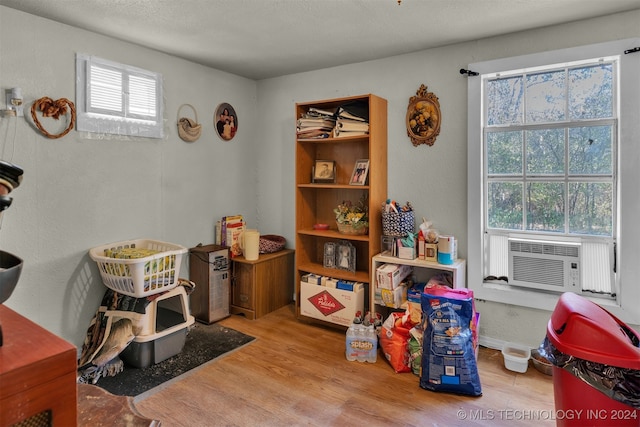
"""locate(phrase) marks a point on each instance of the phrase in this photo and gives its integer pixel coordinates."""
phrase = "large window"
(549, 138)
(549, 191)
(118, 99)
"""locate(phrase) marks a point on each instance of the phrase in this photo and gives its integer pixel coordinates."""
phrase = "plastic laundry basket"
(596, 359)
(143, 276)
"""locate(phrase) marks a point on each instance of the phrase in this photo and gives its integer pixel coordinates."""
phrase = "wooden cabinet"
(37, 374)
(315, 201)
(262, 286)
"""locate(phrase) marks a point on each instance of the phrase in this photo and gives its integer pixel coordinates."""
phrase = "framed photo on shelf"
(346, 256)
(329, 255)
(324, 171)
(360, 171)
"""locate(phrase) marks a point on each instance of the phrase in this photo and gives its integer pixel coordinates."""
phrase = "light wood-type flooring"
(296, 374)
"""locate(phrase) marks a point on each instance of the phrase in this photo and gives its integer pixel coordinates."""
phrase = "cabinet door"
(243, 285)
(274, 283)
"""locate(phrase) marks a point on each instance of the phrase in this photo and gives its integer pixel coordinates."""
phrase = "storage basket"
(143, 276)
(398, 224)
(351, 229)
(270, 243)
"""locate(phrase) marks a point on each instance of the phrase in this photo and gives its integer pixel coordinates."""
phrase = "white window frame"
(111, 121)
(625, 305)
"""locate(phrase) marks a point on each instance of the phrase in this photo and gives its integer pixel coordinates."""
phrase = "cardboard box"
(390, 276)
(391, 298)
(330, 304)
(406, 252)
(431, 252)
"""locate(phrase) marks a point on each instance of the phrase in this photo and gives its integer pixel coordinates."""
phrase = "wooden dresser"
(37, 374)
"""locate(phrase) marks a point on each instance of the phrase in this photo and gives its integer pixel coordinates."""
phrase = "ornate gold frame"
(423, 117)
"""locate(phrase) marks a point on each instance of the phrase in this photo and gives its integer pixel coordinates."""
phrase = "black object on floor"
(203, 343)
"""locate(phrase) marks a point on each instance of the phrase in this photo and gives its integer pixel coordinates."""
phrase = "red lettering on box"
(326, 303)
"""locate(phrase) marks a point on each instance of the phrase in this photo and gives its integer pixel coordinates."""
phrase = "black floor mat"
(203, 343)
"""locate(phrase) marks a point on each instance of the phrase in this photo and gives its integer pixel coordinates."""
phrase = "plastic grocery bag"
(394, 341)
(620, 384)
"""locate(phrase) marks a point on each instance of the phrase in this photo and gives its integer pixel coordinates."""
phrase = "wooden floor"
(296, 374)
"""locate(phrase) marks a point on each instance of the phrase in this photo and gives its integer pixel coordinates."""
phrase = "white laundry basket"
(140, 276)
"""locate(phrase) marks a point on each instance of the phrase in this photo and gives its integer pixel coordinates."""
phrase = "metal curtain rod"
(635, 49)
(468, 72)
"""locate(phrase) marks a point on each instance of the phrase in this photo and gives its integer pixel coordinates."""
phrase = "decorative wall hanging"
(54, 109)
(423, 117)
(226, 121)
(188, 129)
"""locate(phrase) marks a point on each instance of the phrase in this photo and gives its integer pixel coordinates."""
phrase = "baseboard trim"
(491, 342)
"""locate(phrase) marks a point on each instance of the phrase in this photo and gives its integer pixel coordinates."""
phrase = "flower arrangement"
(353, 219)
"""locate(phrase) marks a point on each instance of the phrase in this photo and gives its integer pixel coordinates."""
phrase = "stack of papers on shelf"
(352, 119)
(315, 123)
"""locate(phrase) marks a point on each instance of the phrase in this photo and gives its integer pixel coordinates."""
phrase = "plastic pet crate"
(140, 276)
(164, 330)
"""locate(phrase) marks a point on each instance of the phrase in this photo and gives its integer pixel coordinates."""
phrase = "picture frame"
(423, 117)
(360, 172)
(226, 121)
(329, 255)
(324, 171)
(346, 256)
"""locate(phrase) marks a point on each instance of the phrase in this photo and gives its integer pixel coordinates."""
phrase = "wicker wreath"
(55, 109)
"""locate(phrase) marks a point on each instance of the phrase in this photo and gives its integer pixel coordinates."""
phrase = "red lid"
(581, 328)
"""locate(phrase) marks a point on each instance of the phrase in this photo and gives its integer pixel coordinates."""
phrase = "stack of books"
(315, 123)
(352, 119)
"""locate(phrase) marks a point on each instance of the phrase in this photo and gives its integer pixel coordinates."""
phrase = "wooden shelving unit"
(315, 202)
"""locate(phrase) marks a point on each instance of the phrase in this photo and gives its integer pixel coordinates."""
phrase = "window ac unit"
(547, 265)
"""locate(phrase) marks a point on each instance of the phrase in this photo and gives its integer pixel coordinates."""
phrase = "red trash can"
(596, 358)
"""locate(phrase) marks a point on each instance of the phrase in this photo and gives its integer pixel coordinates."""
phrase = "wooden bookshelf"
(315, 202)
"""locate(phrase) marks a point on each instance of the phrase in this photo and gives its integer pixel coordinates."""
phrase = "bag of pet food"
(448, 356)
(394, 341)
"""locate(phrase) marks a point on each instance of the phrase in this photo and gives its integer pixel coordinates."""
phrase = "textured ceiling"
(267, 38)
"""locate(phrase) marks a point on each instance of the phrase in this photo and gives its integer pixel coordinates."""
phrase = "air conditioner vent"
(538, 270)
(544, 248)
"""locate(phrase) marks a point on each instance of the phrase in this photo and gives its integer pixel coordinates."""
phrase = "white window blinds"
(118, 99)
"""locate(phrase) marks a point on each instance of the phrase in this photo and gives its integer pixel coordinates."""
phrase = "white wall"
(432, 178)
(79, 193)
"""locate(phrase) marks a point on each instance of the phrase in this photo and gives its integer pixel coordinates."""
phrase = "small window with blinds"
(117, 99)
